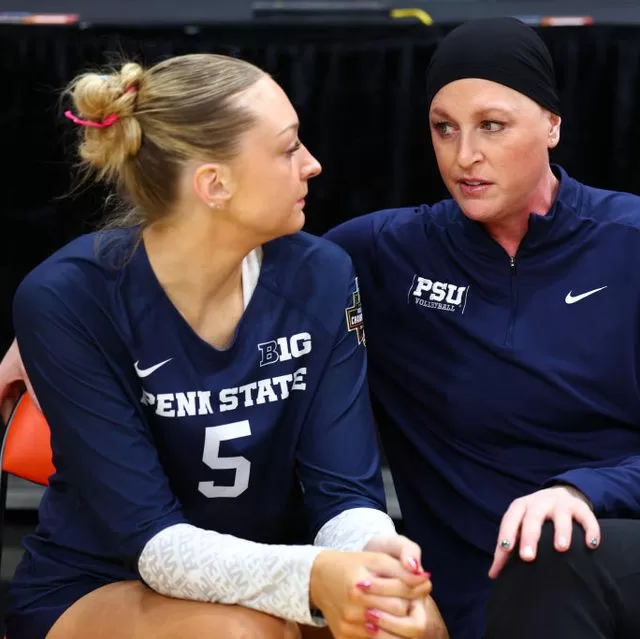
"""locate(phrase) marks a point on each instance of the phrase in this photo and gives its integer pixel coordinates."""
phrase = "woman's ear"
(554, 130)
(212, 184)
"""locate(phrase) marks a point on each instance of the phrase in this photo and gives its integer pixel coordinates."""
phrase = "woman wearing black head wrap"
(502, 328)
(494, 112)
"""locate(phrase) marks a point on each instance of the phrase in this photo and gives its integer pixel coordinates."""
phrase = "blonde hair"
(181, 109)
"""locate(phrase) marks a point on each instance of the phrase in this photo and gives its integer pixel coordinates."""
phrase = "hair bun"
(190, 107)
(97, 97)
(130, 77)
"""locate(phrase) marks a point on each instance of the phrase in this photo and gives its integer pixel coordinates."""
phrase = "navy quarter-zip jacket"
(496, 377)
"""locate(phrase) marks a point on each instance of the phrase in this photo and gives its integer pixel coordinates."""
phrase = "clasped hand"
(382, 592)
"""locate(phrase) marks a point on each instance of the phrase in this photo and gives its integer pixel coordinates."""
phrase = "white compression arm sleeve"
(352, 529)
(187, 562)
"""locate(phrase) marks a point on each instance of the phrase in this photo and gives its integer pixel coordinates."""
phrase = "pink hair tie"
(108, 121)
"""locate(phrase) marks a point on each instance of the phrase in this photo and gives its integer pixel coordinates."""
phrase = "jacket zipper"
(514, 301)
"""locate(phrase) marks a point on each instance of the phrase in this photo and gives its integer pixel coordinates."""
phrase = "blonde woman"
(203, 372)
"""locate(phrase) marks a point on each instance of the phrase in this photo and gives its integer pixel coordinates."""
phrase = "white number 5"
(211, 457)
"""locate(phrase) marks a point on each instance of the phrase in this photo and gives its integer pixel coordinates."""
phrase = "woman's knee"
(240, 623)
(577, 553)
(189, 619)
(551, 567)
(569, 593)
(130, 610)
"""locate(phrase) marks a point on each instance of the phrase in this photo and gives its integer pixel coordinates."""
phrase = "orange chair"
(26, 451)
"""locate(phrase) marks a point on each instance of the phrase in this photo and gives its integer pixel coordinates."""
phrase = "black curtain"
(359, 92)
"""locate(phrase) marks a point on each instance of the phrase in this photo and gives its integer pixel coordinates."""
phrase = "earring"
(213, 205)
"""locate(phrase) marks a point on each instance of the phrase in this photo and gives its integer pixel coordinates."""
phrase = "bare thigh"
(130, 610)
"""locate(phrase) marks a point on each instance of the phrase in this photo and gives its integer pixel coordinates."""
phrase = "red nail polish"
(413, 564)
(364, 585)
(371, 628)
(373, 616)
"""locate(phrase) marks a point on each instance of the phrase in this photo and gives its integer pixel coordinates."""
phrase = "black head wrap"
(503, 50)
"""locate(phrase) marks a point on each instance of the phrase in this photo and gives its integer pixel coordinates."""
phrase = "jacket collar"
(560, 221)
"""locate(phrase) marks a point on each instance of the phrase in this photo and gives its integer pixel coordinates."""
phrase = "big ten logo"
(284, 349)
(439, 295)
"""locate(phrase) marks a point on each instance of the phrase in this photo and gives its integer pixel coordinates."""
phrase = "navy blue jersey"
(497, 377)
(151, 426)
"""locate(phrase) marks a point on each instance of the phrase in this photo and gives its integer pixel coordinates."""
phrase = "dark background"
(359, 91)
(356, 79)
(234, 11)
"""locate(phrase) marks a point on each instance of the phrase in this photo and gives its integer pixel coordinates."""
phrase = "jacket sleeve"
(613, 491)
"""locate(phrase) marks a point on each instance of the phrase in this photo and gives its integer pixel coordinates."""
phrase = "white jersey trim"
(251, 266)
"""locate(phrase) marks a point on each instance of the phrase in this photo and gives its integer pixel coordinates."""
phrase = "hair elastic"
(108, 121)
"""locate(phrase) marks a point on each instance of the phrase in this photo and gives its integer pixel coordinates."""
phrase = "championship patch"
(354, 317)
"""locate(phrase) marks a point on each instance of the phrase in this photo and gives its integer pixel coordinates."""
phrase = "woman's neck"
(201, 258)
(511, 229)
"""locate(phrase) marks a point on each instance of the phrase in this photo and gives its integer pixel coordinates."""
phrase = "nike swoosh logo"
(572, 299)
(145, 372)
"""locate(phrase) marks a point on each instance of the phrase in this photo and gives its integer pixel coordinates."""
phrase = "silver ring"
(505, 544)
(594, 541)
